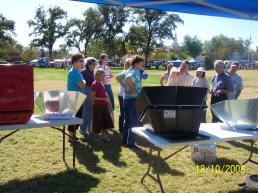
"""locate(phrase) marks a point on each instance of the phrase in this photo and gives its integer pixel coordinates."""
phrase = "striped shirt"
(222, 81)
(108, 80)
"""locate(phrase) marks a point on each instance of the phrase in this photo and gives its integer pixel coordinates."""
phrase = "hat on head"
(200, 69)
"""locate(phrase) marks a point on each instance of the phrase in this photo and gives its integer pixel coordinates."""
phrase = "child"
(201, 81)
(102, 120)
(165, 75)
(121, 94)
(132, 88)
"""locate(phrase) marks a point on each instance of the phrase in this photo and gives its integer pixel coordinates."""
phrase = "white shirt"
(202, 83)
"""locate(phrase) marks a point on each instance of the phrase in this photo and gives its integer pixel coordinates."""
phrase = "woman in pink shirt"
(180, 77)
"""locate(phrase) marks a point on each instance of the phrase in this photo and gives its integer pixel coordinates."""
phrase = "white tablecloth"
(38, 121)
(216, 131)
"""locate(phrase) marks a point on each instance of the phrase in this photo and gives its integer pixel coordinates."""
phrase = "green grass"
(31, 160)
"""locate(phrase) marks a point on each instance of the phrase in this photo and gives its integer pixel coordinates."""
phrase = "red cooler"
(16, 93)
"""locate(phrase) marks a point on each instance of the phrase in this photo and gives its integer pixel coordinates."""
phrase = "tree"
(96, 48)
(7, 43)
(85, 30)
(120, 49)
(114, 20)
(161, 53)
(193, 45)
(159, 25)
(6, 31)
(29, 54)
(222, 47)
(48, 26)
(137, 39)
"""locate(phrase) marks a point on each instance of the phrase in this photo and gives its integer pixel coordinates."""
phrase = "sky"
(204, 27)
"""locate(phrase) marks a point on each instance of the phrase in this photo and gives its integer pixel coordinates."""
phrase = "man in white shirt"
(236, 82)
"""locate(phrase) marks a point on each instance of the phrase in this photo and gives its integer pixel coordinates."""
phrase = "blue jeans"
(122, 114)
(203, 119)
(110, 94)
(87, 110)
(131, 120)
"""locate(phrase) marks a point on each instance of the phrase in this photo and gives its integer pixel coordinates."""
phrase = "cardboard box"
(204, 153)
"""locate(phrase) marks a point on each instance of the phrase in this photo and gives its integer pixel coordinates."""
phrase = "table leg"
(8, 135)
(74, 144)
(64, 143)
(149, 167)
(251, 154)
(158, 178)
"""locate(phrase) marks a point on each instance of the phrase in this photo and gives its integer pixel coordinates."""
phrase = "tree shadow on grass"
(63, 182)
(158, 164)
(241, 191)
(111, 151)
(223, 147)
(85, 156)
(244, 146)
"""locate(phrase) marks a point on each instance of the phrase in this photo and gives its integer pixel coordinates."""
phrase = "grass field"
(31, 160)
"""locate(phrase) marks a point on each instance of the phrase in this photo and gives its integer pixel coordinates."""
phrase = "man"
(221, 86)
(236, 82)
(180, 77)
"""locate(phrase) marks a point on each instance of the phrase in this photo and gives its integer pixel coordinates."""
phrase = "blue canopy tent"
(239, 9)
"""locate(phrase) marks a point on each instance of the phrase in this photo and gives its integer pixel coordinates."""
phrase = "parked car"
(158, 63)
(3, 62)
(111, 63)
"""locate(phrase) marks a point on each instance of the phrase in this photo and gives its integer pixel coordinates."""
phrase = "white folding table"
(217, 132)
(38, 121)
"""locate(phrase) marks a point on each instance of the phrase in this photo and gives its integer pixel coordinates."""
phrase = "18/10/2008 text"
(202, 169)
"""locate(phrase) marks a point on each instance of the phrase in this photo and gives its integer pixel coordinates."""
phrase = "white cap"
(200, 69)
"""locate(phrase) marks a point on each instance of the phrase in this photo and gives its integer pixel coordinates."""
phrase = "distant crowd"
(94, 78)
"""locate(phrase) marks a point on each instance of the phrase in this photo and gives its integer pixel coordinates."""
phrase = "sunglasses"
(81, 61)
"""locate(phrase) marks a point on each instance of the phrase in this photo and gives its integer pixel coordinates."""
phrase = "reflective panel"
(59, 104)
(238, 114)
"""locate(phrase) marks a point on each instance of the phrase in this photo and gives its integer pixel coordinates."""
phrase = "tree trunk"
(50, 50)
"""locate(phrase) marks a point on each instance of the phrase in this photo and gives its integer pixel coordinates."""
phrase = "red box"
(16, 93)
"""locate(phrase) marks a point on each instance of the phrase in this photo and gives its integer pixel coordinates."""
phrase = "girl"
(108, 79)
(165, 75)
(88, 75)
(201, 81)
(102, 119)
(121, 94)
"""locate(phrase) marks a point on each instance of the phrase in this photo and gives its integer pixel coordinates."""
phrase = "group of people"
(95, 78)
(225, 84)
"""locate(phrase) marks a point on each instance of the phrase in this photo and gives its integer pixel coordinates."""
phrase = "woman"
(75, 82)
(121, 94)
(108, 80)
(132, 88)
(201, 81)
(180, 76)
(165, 75)
(88, 75)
